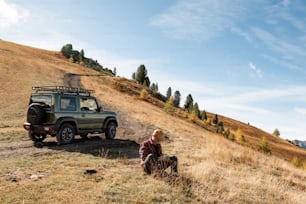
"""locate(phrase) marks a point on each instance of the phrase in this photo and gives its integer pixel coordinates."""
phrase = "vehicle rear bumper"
(43, 129)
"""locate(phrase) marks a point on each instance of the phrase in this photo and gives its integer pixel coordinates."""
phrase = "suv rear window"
(45, 99)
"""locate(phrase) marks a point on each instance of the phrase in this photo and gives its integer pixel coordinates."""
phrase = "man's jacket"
(148, 147)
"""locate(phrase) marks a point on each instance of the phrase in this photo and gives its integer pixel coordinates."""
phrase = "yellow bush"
(296, 162)
(144, 94)
(208, 121)
(264, 146)
(192, 116)
(169, 108)
(240, 137)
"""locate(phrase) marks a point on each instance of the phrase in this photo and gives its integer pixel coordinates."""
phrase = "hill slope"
(212, 168)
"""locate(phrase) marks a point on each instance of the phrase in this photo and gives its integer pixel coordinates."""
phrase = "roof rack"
(63, 89)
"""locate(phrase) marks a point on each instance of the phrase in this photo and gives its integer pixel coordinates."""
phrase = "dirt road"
(126, 143)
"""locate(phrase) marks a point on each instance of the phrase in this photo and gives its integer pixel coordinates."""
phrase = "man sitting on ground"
(152, 159)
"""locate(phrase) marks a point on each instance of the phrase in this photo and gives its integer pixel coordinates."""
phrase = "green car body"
(64, 112)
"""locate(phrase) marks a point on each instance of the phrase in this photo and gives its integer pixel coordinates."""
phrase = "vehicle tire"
(36, 137)
(35, 114)
(110, 131)
(66, 134)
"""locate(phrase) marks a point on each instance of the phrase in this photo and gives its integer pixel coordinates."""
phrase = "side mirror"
(100, 108)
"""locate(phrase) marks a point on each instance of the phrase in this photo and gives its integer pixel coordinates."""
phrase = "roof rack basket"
(63, 89)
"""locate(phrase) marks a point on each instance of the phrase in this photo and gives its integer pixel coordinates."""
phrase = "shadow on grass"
(95, 145)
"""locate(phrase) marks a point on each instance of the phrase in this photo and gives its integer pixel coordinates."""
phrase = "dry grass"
(212, 168)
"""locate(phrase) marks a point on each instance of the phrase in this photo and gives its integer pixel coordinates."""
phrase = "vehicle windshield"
(45, 99)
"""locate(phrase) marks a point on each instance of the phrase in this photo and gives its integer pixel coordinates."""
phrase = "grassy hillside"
(212, 169)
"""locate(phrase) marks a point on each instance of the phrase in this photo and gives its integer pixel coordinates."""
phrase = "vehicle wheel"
(110, 131)
(84, 135)
(35, 114)
(36, 137)
(66, 134)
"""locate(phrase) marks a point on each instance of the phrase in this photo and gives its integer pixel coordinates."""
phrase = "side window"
(68, 104)
(88, 104)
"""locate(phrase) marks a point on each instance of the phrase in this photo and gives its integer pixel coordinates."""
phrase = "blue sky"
(242, 59)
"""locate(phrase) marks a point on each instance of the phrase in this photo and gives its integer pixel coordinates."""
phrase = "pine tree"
(154, 87)
(203, 115)
(141, 75)
(169, 93)
(81, 55)
(215, 120)
(276, 132)
(146, 82)
(196, 109)
(188, 106)
(176, 99)
(67, 50)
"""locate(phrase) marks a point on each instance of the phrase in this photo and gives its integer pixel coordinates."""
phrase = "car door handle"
(83, 115)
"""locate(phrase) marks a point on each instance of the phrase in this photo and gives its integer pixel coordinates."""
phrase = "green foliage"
(176, 99)
(219, 127)
(75, 56)
(141, 74)
(147, 82)
(188, 106)
(232, 137)
(169, 93)
(169, 107)
(197, 110)
(134, 76)
(227, 133)
(81, 55)
(215, 120)
(154, 87)
(264, 146)
(203, 115)
(67, 50)
(276, 132)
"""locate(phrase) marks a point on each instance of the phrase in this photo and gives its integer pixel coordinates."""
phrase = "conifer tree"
(188, 106)
(81, 55)
(141, 75)
(67, 50)
(169, 93)
(196, 109)
(176, 99)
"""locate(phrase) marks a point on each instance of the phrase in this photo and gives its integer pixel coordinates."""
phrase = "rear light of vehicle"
(27, 126)
(48, 129)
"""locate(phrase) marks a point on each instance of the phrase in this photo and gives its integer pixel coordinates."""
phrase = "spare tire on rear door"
(35, 114)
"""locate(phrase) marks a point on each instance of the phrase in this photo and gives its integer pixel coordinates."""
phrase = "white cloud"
(11, 14)
(241, 33)
(257, 71)
(279, 45)
(197, 19)
(300, 110)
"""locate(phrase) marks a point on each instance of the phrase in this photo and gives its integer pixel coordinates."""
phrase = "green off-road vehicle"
(64, 112)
